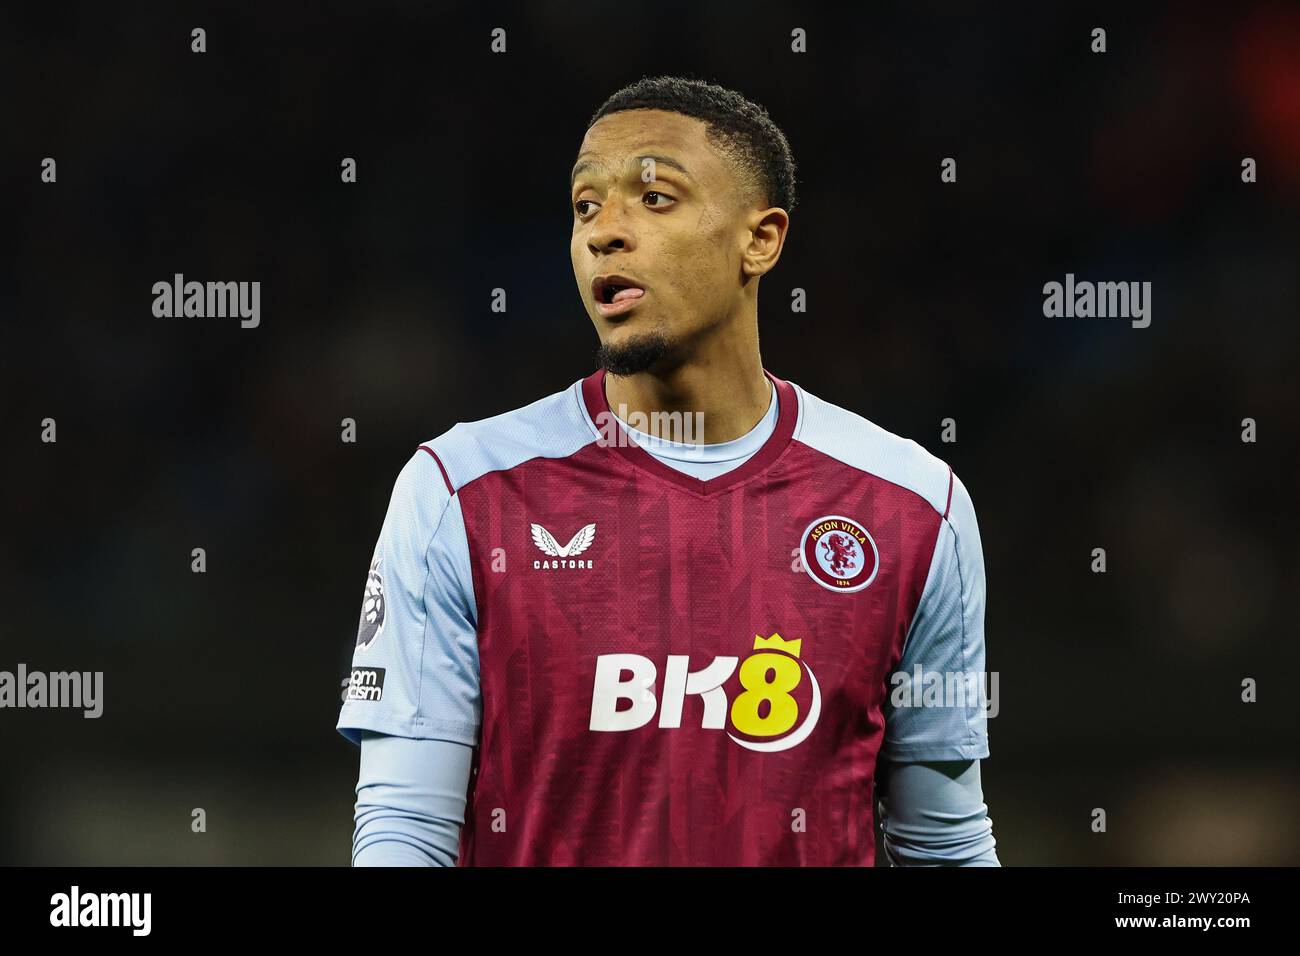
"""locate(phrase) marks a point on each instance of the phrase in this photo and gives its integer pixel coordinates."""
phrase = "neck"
(725, 387)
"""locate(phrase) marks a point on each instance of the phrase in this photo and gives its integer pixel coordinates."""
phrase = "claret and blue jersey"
(657, 669)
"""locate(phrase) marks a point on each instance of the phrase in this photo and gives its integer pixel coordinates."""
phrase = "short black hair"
(736, 126)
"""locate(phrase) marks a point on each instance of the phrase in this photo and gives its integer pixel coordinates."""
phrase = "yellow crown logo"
(778, 643)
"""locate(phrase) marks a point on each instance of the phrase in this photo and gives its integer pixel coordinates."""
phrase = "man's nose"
(611, 229)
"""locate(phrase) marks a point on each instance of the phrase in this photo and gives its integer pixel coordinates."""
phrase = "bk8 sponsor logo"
(767, 707)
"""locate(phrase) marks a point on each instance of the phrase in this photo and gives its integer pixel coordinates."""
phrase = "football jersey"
(656, 669)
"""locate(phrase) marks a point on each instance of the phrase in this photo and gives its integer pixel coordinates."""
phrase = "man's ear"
(767, 229)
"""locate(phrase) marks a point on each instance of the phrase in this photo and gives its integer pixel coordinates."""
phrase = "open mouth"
(616, 294)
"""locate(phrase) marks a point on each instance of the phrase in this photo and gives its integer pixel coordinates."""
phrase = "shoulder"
(861, 444)
(552, 427)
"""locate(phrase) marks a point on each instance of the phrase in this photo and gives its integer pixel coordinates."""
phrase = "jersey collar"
(598, 411)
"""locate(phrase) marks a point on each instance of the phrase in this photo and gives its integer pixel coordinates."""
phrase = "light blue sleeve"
(933, 814)
(410, 801)
(943, 716)
(415, 666)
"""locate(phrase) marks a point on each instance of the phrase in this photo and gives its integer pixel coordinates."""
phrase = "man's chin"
(634, 353)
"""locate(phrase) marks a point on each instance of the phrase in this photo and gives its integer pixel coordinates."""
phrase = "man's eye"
(670, 199)
(577, 206)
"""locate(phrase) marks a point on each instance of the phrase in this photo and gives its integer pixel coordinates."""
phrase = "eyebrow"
(585, 164)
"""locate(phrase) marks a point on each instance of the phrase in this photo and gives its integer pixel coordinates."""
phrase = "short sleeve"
(943, 715)
(415, 665)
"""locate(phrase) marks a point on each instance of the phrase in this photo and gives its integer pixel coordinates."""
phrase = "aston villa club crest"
(839, 554)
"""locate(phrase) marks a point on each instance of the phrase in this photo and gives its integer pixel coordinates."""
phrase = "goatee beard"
(639, 354)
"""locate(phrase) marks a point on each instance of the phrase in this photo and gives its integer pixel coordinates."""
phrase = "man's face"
(678, 236)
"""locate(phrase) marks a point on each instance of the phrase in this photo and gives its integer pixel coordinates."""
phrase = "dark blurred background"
(1118, 690)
